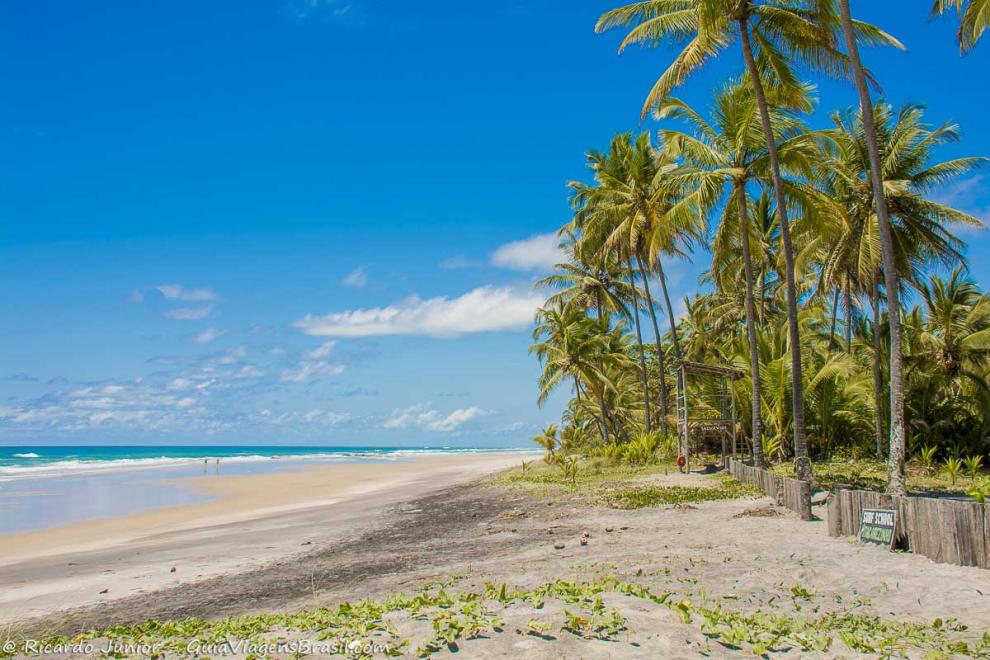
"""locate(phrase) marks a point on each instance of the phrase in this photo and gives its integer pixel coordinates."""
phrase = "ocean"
(45, 487)
(34, 462)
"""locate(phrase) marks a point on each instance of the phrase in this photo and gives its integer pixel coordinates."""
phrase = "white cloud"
(356, 279)
(322, 352)
(307, 370)
(189, 313)
(205, 336)
(425, 417)
(970, 195)
(314, 417)
(249, 371)
(484, 309)
(179, 292)
(539, 252)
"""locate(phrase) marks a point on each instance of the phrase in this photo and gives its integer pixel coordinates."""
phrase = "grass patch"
(638, 497)
(867, 474)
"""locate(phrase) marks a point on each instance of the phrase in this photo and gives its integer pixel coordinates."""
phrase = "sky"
(319, 221)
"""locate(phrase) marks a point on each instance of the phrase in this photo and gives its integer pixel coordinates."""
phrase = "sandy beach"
(433, 520)
(253, 520)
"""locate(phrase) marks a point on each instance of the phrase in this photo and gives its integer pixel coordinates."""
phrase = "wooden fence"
(791, 493)
(947, 531)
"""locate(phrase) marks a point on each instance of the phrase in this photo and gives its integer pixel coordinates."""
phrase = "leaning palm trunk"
(754, 355)
(802, 464)
(835, 312)
(661, 362)
(896, 457)
(877, 371)
(670, 310)
(639, 343)
(599, 419)
(850, 319)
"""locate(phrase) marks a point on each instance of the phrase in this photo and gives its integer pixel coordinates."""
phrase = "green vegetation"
(838, 279)
(638, 497)
(619, 484)
(578, 609)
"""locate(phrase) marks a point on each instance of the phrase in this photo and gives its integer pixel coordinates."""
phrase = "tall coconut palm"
(974, 18)
(898, 443)
(589, 279)
(729, 153)
(641, 211)
(782, 32)
(919, 229)
(569, 345)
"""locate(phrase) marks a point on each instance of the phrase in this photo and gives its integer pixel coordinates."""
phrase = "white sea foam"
(78, 467)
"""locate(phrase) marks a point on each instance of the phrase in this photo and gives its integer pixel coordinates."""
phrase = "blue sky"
(318, 221)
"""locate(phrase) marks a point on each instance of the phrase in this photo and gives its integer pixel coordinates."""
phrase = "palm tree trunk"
(835, 311)
(849, 319)
(896, 457)
(754, 354)
(661, 362)
(639, 342)
(763, 296)
(877, 371)
(670, 310)
(599, 419)
(802, 464)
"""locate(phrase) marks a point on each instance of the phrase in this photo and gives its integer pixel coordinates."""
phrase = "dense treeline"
(837, 282)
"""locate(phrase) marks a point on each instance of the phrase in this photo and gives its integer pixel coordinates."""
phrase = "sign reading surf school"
(877, 527)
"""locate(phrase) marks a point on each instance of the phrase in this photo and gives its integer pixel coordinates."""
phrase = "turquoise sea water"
(44, 487)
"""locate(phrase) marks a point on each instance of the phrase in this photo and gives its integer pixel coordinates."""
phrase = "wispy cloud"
(356, 279)
(425, 417)
(179, 292)
(484, 309)
(539, 252)
(970, 195)
(314, 365)
(205, 336)
(22, 377)
(348, 13)
(189, 313)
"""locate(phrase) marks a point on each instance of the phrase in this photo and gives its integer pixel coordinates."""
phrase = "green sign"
(877, 527)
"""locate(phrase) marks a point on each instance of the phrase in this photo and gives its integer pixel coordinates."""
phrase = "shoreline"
(743, 555)
(251, 520)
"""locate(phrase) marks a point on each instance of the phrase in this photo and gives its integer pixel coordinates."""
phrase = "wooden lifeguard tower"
(712, 414)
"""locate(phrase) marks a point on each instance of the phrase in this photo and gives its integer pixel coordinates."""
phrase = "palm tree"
(590, 280)
(917, 227)
(781, 31)
(729, 153)
(639, 210)
(974, 17)
(898, 447)
(570, 345)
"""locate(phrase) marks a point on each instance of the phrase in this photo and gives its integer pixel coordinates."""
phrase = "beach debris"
(558, 546)
(104, 591)
(759, 512)
(172, 570)
(306, 543)
(609, 530)
(584, 541)
(513, 530)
